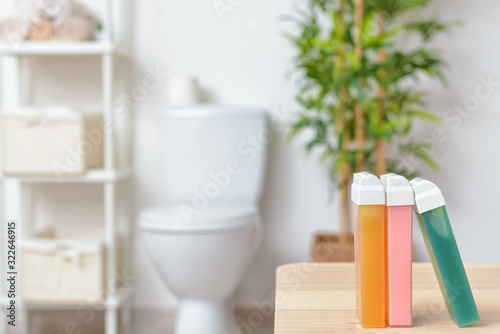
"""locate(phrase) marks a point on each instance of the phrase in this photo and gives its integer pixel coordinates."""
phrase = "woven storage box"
(62, 270)
(55, 140)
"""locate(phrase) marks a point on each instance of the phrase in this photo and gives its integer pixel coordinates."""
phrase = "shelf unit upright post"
(11, 187)
(16, 191)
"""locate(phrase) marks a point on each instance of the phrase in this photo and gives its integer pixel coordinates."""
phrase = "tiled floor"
(154, 321)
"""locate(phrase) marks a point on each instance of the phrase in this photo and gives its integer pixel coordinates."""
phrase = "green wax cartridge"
(443, 251)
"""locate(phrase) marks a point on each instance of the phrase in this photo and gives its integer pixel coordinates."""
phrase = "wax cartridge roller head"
(398, 190)
(427, 195)
(367, 189)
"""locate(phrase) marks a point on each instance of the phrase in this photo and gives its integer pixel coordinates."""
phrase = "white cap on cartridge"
(398, 190)
(367, 189)
(427, 195)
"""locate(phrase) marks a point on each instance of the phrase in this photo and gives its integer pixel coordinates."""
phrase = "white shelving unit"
(59, 48)
(16, 191)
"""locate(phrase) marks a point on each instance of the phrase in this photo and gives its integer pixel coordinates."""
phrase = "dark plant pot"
(327, 248)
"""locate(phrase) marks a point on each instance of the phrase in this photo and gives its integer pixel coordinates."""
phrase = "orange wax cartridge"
(368, 196)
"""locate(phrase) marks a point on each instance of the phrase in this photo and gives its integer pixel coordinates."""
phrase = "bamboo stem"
(358, 109)
(345, 170)
(380, 164)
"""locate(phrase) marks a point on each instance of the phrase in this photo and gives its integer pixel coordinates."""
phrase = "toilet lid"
(184, 219)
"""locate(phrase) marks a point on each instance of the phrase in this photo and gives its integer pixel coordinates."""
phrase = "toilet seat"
(214, 219)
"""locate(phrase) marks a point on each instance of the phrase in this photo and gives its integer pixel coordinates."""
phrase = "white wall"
(245, 60)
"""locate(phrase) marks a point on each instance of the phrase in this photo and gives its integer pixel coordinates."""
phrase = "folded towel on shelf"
(75, 28)
(41, 31)
(14, 29)
(44, 20)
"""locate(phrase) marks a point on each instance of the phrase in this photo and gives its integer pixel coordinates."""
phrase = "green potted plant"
(355, 96)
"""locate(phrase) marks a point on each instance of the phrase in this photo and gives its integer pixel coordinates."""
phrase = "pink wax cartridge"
(398, 249)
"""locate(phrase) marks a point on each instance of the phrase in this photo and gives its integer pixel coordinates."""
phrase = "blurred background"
(244, 59)
(240, 57)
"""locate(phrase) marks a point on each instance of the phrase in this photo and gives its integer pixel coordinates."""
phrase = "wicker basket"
(55, 140)
(327, 248)
(61, 270)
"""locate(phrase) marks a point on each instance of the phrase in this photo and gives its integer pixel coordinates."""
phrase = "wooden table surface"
(320, 298)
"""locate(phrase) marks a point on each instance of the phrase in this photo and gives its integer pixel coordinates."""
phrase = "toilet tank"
(214, 155)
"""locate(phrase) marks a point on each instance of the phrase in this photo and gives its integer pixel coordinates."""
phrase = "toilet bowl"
(202, 261)
(203, 239)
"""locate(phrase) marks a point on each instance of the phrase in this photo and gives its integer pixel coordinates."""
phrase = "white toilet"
(202, 241)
